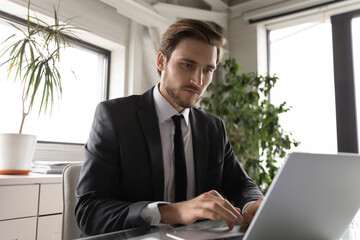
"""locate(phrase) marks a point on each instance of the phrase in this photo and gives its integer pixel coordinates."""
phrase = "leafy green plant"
(33, 56)
(251, 121)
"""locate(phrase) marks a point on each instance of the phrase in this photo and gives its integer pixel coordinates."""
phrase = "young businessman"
(129, 177)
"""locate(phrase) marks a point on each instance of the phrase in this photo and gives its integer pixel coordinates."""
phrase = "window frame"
(344, 78)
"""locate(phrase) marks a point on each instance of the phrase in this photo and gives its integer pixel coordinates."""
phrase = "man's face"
(185, 77)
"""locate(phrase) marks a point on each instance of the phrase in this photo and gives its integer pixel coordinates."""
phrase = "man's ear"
(160, 61)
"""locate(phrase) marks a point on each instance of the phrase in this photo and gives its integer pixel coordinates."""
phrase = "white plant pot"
(16, 153)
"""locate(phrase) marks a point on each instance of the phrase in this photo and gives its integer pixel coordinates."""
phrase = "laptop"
(313, 196)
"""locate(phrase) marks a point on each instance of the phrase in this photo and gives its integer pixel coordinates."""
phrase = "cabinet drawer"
(50, 199)
(18, 201)
(49, 227)
(21, 229)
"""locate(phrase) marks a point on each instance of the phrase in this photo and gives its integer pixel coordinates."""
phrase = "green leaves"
(33, 54)
(251, 121)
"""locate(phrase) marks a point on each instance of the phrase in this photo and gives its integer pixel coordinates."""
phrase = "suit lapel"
(150, 126)
(200, 148)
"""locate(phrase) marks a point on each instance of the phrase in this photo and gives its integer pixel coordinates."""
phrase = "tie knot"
(177, 119)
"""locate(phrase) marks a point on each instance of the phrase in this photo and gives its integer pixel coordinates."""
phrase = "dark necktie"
(180, 165)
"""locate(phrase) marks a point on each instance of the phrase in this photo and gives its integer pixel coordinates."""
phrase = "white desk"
(31, 207)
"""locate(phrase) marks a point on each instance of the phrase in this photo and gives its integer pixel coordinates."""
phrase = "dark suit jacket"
(123, 166)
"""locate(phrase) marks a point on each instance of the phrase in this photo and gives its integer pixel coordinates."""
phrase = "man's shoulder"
(122, 108)
(205, 116)
(128, 100)
(131, 101)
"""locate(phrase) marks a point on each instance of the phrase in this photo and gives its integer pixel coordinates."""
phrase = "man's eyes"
(208, 70)
(187, 65)
(190, 66)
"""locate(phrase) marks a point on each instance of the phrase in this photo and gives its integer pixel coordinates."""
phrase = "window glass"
(355, 25)
(355, 30)
(301, 56)
(83, 84)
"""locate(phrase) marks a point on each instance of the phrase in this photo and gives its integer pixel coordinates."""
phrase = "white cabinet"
(18, 201)
(49, 227)
(49, 199)
(30, 207)
(21, 229)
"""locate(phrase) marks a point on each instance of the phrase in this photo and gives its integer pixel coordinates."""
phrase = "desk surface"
(154, 233)
(32, 178)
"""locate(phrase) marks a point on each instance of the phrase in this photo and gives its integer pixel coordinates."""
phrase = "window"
(317, 64)
(301, 56)
(72, 115)
(355, 30)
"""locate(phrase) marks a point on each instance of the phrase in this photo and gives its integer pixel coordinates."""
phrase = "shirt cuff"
(246, 205)
(150, 213)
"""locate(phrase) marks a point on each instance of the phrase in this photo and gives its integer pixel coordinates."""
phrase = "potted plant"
(252, 122)
(33, 55)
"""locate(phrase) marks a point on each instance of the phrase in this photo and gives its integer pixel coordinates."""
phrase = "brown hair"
(190, 28)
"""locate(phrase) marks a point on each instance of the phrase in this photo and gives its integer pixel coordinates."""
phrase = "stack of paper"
(50, 167)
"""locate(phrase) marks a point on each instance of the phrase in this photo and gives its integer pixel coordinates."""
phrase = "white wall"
(247, 44)
(150, 74)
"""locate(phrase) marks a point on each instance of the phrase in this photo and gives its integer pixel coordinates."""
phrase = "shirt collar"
(164, 109)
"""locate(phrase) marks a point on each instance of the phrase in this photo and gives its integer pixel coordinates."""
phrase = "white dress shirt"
(167, 130)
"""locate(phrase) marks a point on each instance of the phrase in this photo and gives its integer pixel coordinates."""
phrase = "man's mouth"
(192, 90)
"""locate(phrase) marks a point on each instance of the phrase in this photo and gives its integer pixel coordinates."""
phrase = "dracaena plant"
(32, 57)
(251, 121)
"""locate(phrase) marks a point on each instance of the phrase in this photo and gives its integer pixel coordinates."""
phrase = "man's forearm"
(97, 216)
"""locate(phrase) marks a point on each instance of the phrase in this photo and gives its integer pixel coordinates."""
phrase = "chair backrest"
(70, 179)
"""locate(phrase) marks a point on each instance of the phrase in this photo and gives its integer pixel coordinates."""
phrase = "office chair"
(70, 179)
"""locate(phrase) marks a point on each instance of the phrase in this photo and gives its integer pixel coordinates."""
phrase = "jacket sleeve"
(238, 187)
(100, 207)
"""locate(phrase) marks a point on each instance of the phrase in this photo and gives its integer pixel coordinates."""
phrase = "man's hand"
(250, 210)
(209, 205)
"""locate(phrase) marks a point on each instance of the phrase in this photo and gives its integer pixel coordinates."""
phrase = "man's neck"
(165, 94)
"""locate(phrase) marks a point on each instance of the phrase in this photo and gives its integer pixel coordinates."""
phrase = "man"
(129, 176)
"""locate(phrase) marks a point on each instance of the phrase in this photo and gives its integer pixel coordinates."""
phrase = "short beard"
(176, 99)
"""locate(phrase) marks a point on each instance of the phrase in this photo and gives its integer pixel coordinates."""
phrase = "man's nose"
(197, 78)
